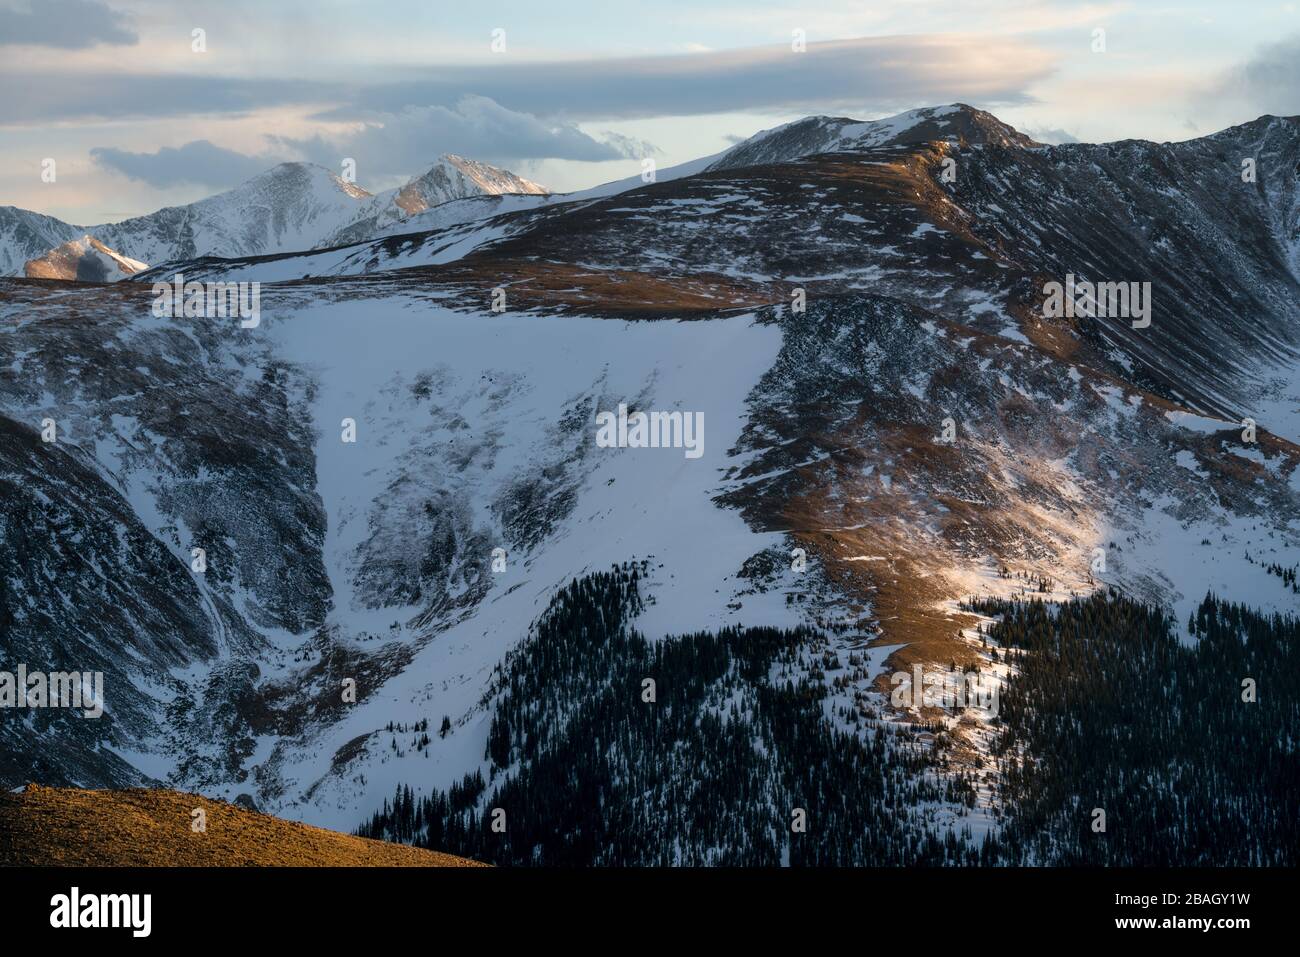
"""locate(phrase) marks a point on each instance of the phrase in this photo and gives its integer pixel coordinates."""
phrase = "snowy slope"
(451, 231)
(469, 411)
(474, 432)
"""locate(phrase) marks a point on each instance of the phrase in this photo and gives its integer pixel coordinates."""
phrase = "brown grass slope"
(152, 828)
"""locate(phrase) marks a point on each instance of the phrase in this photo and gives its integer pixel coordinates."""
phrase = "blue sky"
(136, 119)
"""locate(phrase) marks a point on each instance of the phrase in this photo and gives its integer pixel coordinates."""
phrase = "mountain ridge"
(290, 207)
(303, 221)
(85, 260)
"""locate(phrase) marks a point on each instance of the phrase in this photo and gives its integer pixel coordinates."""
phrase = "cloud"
(878, 73)
(630, 147)
(874, 73)
(1050, 134)
(388, 146)
(53, 97)
(66, 24)
(200, 162)
(1269, 82)
(409, 140)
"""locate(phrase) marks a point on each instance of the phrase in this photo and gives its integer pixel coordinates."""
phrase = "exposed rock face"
(25, 235)
(451, 179)
(83, 260)
(454, 177)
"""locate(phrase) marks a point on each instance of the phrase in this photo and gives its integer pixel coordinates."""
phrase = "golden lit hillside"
(153, 827)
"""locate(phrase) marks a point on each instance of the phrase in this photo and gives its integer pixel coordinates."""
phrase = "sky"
(143, 104)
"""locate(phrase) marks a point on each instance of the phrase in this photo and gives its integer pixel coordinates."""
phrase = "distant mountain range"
(301, 206)
(293, 206)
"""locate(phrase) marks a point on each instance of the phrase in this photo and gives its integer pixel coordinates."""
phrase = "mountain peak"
(956, 123)
(84, 259)
(296, 174)
(455, 177)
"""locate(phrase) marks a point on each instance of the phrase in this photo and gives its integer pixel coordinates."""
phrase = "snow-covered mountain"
(396, 484)
(292, 207)
(300, 206)
(26, 235)
(85, 260)
(958, 124)
(454, 177)
(451, 178)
